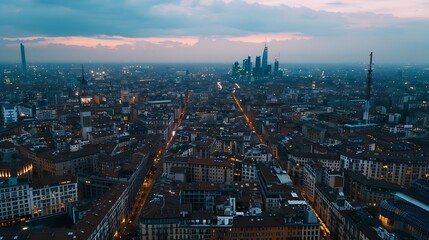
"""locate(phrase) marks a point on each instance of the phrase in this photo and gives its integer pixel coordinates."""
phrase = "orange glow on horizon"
(104, 41)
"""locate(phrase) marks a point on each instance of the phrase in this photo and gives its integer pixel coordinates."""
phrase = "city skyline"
(215, 31)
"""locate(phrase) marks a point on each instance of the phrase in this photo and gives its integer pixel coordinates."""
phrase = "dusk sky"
(296, 31)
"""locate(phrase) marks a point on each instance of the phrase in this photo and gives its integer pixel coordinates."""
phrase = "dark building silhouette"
(257, 70)
(247, 66)
(85, 111)
(23, 61)
(276, 66)
(368, 91)
(265, 57)
(266, 69)
(235, 71)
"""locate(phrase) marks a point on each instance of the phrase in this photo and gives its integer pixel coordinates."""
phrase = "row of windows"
(55, 193)
(9, 203)
(22, 208)
(13, 189)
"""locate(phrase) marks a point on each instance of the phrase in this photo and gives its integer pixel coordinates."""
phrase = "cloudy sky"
(296, 31)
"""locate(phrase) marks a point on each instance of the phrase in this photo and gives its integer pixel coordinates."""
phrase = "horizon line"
(201, 62)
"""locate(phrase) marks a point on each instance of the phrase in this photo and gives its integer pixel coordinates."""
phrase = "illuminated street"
(248, 121)
(325, 231)
(130, 225)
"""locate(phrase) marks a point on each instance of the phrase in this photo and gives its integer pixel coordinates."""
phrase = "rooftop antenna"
(368, 90)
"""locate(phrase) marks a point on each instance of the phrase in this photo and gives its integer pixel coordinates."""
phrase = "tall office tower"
(276, 66)
(236, 69)
(85, 111)
(258, 62)
(244, 68)
(368, 91)
(257, 69)
(23, 61)
(249, 65)
(265, 60)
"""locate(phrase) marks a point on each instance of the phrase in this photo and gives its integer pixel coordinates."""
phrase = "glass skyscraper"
(265, 58)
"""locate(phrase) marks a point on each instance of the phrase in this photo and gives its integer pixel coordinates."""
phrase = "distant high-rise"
(85, 111)
(235, 69)
(276, 65)
(83, 82)
(244, 68)
(258, 62)
(249, 64)
(257, 70)
(265, 59)
(23, 61)
(368, 91)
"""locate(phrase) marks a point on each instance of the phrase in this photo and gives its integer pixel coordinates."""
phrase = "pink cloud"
(268, 37)
(105, 41)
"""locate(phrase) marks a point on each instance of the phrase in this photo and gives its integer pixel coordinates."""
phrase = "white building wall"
(52, 199)
(10, 114)
(14, 202)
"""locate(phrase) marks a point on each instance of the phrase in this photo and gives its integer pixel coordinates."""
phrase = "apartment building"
(55, 163)
(15, 200)
(41, 197)
(400, 170)
(202, 170)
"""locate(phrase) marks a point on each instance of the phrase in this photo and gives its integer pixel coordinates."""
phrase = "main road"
(323, 227)
(249, 122)
(129, 226)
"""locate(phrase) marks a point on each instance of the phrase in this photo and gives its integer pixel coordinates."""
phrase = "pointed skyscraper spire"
(265, 60)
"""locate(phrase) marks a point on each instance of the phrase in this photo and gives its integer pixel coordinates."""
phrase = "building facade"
(10, 114)
(47, 196)
(53, 163)
(15, 200)
(394, 169)
(202, 170)
(50, 197)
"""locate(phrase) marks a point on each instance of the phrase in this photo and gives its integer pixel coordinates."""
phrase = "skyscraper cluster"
(261, 68)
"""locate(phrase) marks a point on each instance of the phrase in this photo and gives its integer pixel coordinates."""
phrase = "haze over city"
(214, 119)
(214, 31)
